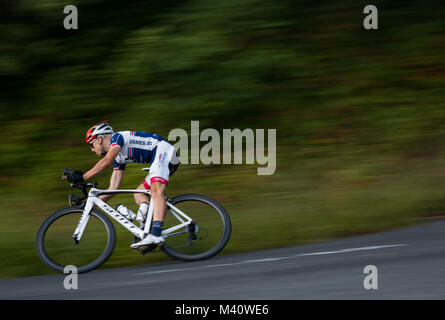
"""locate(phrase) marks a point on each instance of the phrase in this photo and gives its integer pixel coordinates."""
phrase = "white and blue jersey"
(143, 147)
(136, 147)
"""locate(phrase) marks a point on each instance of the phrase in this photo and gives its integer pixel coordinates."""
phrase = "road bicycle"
(196, 227)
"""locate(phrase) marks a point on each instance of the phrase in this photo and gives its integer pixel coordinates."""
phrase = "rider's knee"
(157, 190)
(140, 197)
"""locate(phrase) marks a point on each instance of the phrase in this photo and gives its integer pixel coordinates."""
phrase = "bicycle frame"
(93, 200)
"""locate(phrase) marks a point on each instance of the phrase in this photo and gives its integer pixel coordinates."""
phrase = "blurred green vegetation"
(360, 115)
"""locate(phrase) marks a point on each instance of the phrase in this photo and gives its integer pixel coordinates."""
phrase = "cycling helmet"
(100, 128)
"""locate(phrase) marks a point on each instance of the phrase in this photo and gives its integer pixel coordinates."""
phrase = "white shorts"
(164, 164)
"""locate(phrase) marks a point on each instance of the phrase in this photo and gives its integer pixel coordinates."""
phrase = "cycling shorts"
(164, 164)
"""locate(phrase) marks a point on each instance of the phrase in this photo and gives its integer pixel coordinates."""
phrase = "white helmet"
(100, 128)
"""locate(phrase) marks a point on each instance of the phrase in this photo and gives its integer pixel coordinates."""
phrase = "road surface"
(409, 264)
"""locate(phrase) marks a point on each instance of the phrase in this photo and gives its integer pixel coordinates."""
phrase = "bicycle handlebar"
(82, 185)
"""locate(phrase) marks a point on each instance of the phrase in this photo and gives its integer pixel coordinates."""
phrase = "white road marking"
(276, 258)
(222, 265)
(350, 250)
(162, 271)
(264, 260)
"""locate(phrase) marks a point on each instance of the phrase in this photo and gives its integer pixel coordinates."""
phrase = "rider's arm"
(115, 182)
(103, 163)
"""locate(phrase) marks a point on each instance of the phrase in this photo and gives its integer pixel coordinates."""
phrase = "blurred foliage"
(360, 115)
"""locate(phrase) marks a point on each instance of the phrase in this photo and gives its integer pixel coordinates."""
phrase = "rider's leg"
(141, 197)
(157, 195)
(159, 207)
(142, 201)
(157, 191)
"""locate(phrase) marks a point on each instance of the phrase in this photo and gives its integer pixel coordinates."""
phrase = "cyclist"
(120, 148)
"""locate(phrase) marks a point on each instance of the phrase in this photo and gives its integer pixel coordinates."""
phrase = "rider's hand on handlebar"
(73, 176)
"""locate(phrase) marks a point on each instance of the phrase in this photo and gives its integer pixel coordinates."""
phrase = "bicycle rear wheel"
(205, 237)
(57, 249)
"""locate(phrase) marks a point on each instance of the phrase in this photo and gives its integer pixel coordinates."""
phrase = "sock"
(156, 228)
(142, 212)
(144, 207)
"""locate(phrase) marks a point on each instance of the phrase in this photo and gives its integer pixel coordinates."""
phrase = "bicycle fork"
(83, 222)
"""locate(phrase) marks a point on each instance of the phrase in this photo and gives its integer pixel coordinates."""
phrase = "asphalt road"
(410, 264)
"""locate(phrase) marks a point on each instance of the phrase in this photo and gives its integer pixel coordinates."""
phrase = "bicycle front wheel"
(57, 249)
(205, 237)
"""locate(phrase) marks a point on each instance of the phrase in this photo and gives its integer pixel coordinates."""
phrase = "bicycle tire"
(48, 261)
(224, 239)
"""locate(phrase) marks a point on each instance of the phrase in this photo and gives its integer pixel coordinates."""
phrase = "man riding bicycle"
(124, 147)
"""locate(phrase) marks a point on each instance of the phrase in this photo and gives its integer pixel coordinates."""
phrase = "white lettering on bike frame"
(93, 200)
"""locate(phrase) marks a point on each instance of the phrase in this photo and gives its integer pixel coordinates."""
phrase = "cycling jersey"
(136, 147)
(142, 147)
